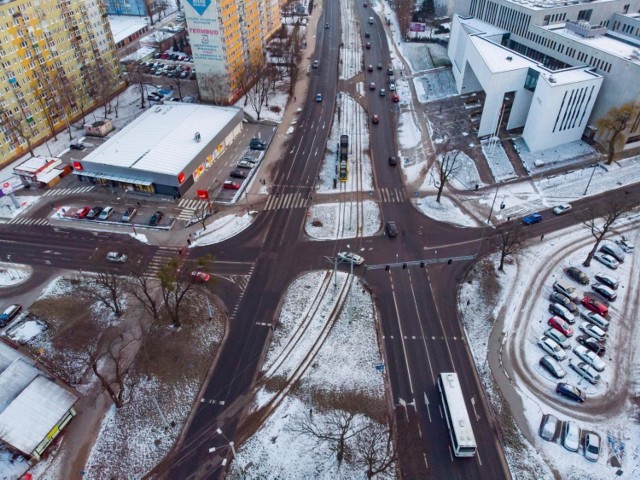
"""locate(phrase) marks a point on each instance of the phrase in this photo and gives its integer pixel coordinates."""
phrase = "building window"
(585, 15)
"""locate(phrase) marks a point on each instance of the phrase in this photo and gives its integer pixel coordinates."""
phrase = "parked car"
(560, 311)
(593, 331)
(552, 348)
(77, 146)
(592, 344)
(613, 250)
(566, 290)
(595, 305)
(116, 257)
(93, 213)
(390, 71)
(155, 218)
(557, 297)
(395, 98)
(244, 164)
(392, 86)
(128, 214)
(9, 313)
(578, 275)
(605, 291)
(571, 392)
(552, 366)
(585, 371)
(559, 324)
(318, 97)
(82, 212)
(532, 218)
(571, 436)
(375, 119)
(558, 337)
(188, 98)
(105, 213)
(591, 446)
(625, 244)
(562, 209)
(549, 427)
(250, 160)
(315, 64)
(237, 174)
(596, 319)
(606, 260)
(350, 258)
(257, 144)
(229, 185)
(607, 280)
(199, 276)
(589, 357)
(392, 229)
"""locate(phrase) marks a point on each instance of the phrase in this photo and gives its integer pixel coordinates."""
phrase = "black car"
(257, 144)
(76, 146)
(393, 161)
(578, 275)
(592, 344)
(155, 218)
(392, 229)
(379, 66)
(571, 392)
(94, 212)
(237, 174)
(557, 297)
(367, 35)
(607, 280)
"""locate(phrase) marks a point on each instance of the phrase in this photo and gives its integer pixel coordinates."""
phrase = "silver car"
(589, 357)
(571, 436)
(606, 260)
(593, 331)
(591, 446)
(552, 348)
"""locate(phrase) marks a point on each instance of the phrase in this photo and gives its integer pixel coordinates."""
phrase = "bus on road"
(463, 442)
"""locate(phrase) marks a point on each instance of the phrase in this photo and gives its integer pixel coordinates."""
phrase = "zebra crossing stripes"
(67, 191)
(192, 203)
(186, 214)
(162, 256)
(286, 200)
(392, 195)
(29, 221)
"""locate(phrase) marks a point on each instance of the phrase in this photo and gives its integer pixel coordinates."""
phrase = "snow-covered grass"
(343, 220)
(409, 134)
(553, 157)
(13, 274)
(435, 85)
(221, 229)
(445, 211)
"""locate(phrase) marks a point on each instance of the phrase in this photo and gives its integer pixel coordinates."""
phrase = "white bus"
(455, 411)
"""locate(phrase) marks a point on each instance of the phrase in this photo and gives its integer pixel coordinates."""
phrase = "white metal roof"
(162, 140)
(33, 413)
(14, 379)
(8, 355)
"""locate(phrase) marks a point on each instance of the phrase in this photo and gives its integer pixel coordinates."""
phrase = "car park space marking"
(67, 191)
(29, 221)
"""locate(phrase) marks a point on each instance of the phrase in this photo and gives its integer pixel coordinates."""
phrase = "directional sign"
(380, 367)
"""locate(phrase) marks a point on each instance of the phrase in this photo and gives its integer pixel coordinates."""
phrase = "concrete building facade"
(57, 60)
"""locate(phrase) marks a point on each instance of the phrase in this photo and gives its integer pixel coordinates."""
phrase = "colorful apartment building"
(225, 36)
(57, 62)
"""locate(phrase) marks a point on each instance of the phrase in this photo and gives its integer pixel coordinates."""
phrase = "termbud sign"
(203, 24)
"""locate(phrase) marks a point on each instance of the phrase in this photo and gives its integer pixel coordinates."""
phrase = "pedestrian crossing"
(29, 221)
(67, 191)
(392, 195)
(285, 201)
(189, 207)
(159, 260)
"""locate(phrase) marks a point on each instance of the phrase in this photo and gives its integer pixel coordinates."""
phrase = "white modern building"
(164, 151)
(600, 36)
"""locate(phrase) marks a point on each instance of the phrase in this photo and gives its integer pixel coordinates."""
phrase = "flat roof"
(607, 43)
(124, 25)
(162, 139)
(499, 58)
(34, 164)
(474, 25)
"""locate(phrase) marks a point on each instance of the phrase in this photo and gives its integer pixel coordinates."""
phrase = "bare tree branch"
(599, 221)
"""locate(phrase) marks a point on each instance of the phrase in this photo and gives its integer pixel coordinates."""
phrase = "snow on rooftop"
(32, 415)
(480, 27)
(499, 58)
(124, 25)
(139, 54)
(161, 140)
(605, 43)
(571, 75)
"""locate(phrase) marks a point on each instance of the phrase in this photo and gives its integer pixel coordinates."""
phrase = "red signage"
(203, 194)
(181, 177)
(77, 166)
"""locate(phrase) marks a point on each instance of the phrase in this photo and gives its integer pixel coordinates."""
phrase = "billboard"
(417, 27)
(10, 185)
(205, 36)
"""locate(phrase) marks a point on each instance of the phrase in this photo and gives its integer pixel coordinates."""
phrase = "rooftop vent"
(196, 137)
(552, 80)
(510, 58)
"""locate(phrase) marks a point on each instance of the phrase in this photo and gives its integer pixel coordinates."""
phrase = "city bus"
(463, 442)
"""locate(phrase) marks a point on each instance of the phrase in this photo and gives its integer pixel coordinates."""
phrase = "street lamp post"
(11, 269)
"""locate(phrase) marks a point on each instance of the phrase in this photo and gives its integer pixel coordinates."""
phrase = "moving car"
(367, 35)
(326, 26)
(318, 97)
(105, 213)
(613, 250)
(607, 280)
(77, 146)
(578, 275)
(372, 86)
(585, 371)
(592, 344)
(199, 276)
(93, 213)
(237, 174)
(379, 66)
(605, 291)
(559, 310)
(382, 92)
(128, 214)
(155, 218)
(370, 68)
(556, 297)
(593, 331)
(562, 208)
(625, 244)
(589, 357)
(595, 305)
(558, 337)
(552, 348)
(393, 161)
(116, 257)
(9, 313)
(552, 366)
(229, 185)
(532, 218)
(591, 446)
(606, 260)
(244, 164)
(392, 229)
(82, 212)
(350, 258)
(316, 63)
(375, 119)
(395, 98)
(571, 392)
(571, 436)
(368, 45)
(257, 144)
(559, 324)
(566, 290)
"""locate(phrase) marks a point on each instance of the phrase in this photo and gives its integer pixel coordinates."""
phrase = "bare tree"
(599, 222)
(258, 93)
(446, 167)
(18, 127)
(404, 10)
(150, 9)
(615, 124)
(106, 288)
(292, 53)
(216, 87)
(509, 241)
(134, 71)
(374, 449)
(144, 290)
(162, 6)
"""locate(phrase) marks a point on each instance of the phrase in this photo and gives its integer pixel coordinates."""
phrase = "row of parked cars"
(564, 307)
(105, 213)
(571, 436)
(248, 162)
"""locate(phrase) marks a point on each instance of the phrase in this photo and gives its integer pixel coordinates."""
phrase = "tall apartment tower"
(225, 36)
(57, 62)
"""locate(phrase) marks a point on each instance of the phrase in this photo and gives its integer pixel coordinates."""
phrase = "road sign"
(203, 194)
(380, 367)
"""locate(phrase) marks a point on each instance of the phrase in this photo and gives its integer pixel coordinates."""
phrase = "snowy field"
(553, 157)
(351, 54)
(435, 85)
(330, 221)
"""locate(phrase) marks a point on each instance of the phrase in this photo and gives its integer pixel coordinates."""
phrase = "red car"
(229, 185)
(82, 212)
(560, 325)
(396, 97)
(164, 56)
(199, 276)
(595, 306)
